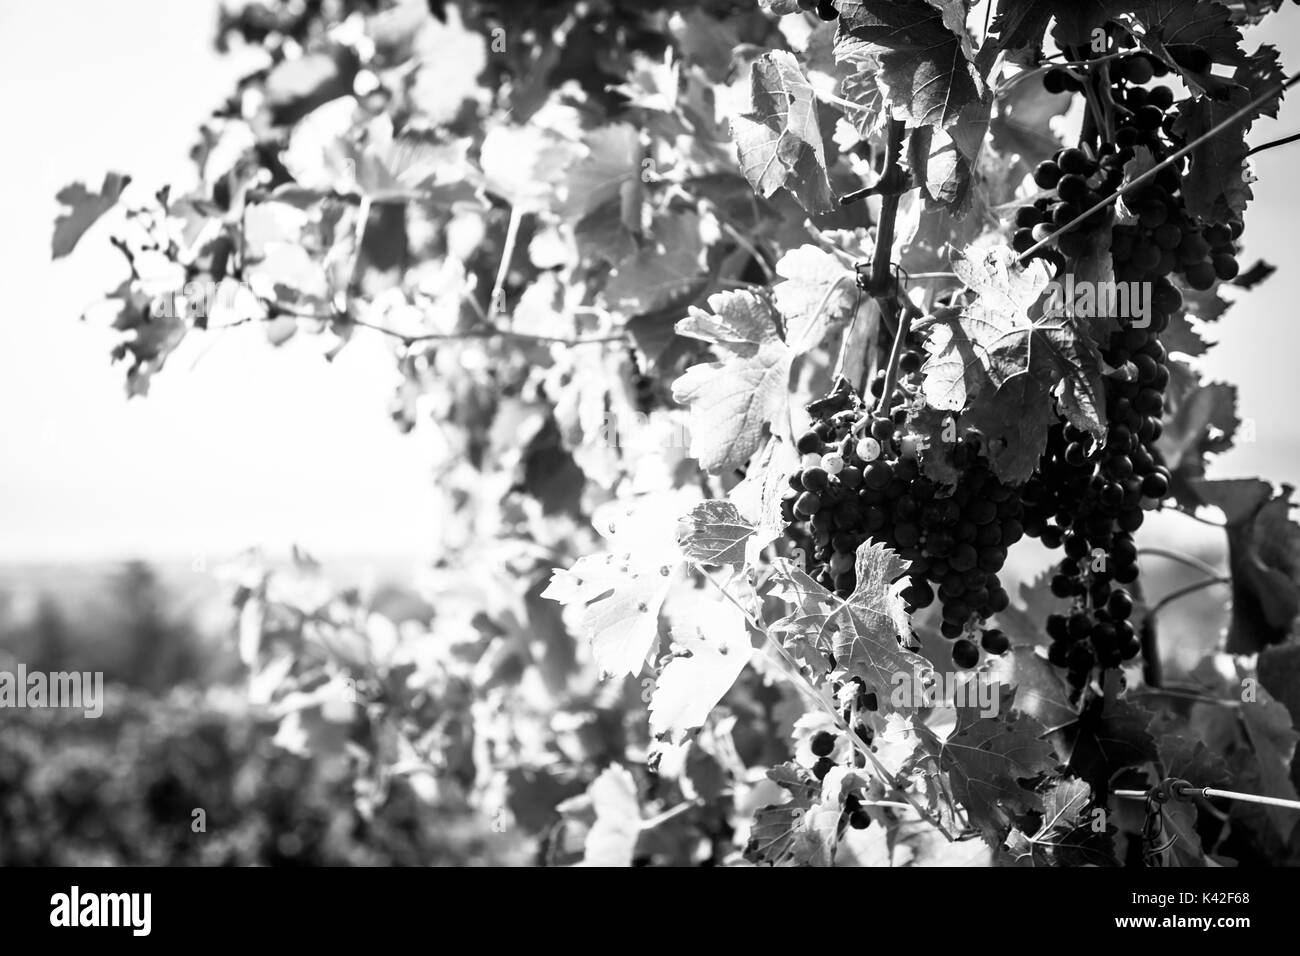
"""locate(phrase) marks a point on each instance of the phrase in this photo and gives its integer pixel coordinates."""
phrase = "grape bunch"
(860, 480)
(1088, 498)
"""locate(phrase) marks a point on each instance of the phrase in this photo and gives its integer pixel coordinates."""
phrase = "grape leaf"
(1274, 738)
(1066, 836)
(611, 840)
(715, 533)
(818, 290)
(526, 165)
(1108, 735)
(83, 210)
(1182, 336)
(1020, 24)
(1177, 26)
(1257, 273)
(664, 272)
(1003, 369)
(985, 764)
(734, 400)
(1021, 125)
(1278, 668)
(1200, 419)
(1026, 626)
(924, 55)
(871, 623)
(621, 607)
(1264, 557)
(1215, 186)
(861, 88)
(863, 629)
(1189, 759)
(779, 142)
(620, 592)
(610, 172)
(147, 339)
(1039, 691)
(689, 687)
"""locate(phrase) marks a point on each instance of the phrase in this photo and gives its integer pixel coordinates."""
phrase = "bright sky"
(261, 446)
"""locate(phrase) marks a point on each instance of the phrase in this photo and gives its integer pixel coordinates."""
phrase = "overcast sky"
(259, 446)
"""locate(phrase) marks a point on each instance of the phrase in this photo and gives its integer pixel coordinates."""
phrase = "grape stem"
(1187, 559)
(880, 262)
(1151, 173)
(1184, 591)
(1269, 145)
(275, 310)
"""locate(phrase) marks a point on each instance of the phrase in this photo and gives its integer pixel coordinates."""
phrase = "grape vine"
(753, 340)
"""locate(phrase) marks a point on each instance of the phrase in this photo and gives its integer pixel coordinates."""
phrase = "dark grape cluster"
(1163, 239)
(860, 480)
(1087, 498)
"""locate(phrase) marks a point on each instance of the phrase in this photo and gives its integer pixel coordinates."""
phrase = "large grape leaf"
(619, 593)
(1108, 735)
(779, 142)
(924, 51)
(872, 623)
(1039, 691)
(666, 271)
(83, 209)
(1264, 557)
(985, 764)
(1020, 24)
(1175, 26)
(1004, 369)
(1021, 125)
(863, 630)
(818, 289)
(942, 161)
(1189, 759)
(610, 172)
(716, 533)
(1268, 724)
(1066, 836)
(1200, 419)
(733, 401)
(689, 687)
(1216, 186)
(1027, 625)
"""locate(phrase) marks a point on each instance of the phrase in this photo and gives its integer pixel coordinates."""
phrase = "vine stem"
(276, 309)
(1271, 143)
(880, 260)
(1151, 173)
(1177, 694)
(1187, 559)
(838, 101)
(1184, 591)
(512, 236)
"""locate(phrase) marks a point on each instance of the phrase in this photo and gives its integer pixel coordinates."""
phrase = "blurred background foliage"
(177, 735)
